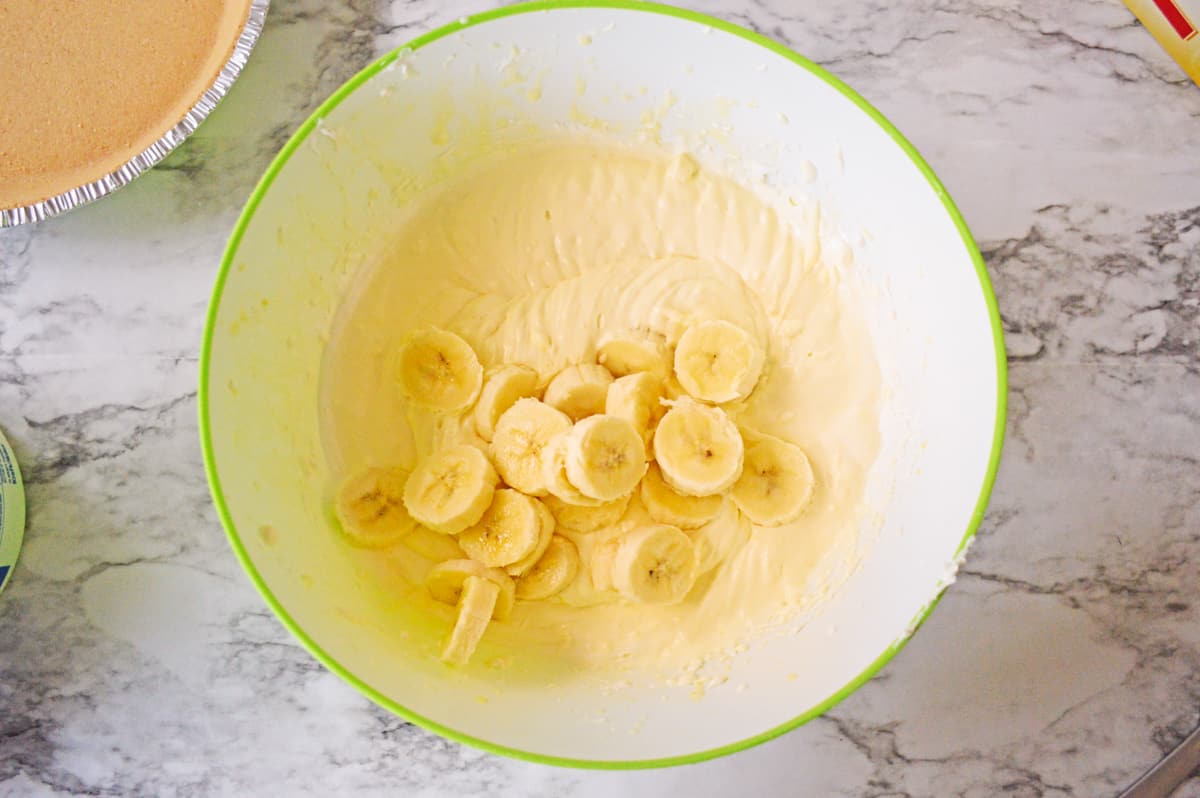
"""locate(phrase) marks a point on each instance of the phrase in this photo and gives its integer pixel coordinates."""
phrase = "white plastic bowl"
(503, 75)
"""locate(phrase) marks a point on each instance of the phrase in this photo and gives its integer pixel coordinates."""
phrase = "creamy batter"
(534, 258)
(89, 85)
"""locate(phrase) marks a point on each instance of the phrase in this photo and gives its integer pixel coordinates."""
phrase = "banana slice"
(667, 506)
(434, 546)
(519, 445)
(579, 391)
(554, 570)
(370, 507)
(501, 390)
(777, 482)
(655, 565)
(449, 491)
(633, 352)
(545, 533)
(474, 614)
(557, 483)
(600, 568)
(720, 538)
(587, 519)
(507, 532)
(637, 398)
(605, 457)
(439, 370)
(445, 583)
(698, 448)
(674, 390)
(717, 361)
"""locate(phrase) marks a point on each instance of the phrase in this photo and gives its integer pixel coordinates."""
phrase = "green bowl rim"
(629, 5)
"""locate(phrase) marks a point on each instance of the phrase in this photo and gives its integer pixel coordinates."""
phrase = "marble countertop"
(137, 659)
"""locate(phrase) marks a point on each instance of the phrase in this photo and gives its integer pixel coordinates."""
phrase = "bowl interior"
(738, 103)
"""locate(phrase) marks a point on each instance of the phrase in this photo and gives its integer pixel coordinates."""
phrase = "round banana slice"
(600, 567)
(776, 484)
(439, 370)
(579, 391)
(720, 538)
(717, 361)
(450, 490)
(501, 389)
(698, 448)
(634, 352)
(434, 546)
(674, 390)
(507, 532)
(519, 444)
(587, 519)
(605, 457)
(553, 571)
(370, 507)
(667, 506)
(637, 398)
(557, 482)
(545, 532)
(475, 610)
(445, 583)
(655, 565)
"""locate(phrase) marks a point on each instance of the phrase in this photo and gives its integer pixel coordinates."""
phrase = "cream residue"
(535, 257)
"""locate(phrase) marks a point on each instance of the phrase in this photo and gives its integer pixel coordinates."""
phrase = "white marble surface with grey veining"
(136, 659)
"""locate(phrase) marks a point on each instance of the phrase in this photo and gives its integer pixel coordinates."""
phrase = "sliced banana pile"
(644, 420)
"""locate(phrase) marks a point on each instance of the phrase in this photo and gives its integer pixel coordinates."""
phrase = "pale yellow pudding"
(543, 259)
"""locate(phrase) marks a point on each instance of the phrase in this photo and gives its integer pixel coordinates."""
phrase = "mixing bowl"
(630, 72)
